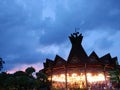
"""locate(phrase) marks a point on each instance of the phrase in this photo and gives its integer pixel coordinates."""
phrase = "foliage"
(41, 79)
(1, 63)
(30, 70)
(21, 80)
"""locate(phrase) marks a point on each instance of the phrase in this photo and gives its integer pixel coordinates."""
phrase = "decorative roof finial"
(76, 33)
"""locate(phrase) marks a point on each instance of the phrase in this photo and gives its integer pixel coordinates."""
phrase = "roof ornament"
(76, 33)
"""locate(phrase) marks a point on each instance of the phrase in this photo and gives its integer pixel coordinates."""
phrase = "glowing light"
(70, 78)
(95, 78)
(76, 80)
(59, 78)
(74, 77)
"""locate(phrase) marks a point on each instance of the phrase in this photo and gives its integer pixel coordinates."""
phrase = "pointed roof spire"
(77, 53)
(76, 38)
(93, 54)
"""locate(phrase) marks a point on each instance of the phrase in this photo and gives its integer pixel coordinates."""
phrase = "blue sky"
(33, 30)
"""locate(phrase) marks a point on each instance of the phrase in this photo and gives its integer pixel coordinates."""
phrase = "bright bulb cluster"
(76, 78)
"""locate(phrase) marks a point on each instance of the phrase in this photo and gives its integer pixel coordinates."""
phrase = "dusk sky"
(33, 30)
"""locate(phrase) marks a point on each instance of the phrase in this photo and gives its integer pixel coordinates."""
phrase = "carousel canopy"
(78, 56)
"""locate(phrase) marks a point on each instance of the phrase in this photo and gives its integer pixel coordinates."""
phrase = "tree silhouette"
(23, 80)
(42, 80)
(3, 77)
(30, 70)
(1, 63)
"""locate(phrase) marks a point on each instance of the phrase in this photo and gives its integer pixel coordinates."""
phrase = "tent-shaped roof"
(78, 56)
(77, 53)
(59, 61)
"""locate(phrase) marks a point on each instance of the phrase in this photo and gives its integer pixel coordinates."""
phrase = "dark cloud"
(29, 25)
(84, 14)
(104, 44)
(11, 15)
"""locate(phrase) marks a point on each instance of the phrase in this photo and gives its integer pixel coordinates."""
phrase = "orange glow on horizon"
(37, 67)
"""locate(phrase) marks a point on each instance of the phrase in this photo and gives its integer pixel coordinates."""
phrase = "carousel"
(81, 71)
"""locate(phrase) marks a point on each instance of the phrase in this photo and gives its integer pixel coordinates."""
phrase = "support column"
(66, 78)
(51, 77)
(105, 75)
(86, 77)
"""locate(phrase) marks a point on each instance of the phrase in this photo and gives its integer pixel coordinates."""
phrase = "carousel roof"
(78, 55)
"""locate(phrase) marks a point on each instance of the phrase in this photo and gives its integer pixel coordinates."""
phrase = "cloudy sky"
(33, 30)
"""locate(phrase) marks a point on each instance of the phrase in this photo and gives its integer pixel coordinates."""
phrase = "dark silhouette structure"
(81, 71)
